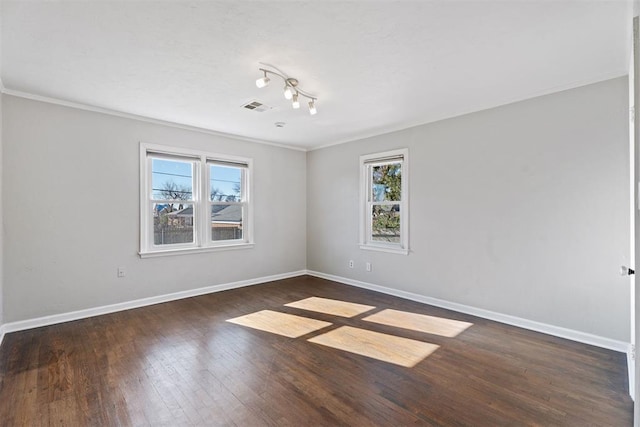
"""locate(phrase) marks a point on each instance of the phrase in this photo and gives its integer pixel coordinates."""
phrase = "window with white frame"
(384, 201)
(193, 201)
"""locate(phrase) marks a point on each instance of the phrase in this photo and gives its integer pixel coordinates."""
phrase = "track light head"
(290, 85)
(288, 92)
(312, 107)
(263, 81)
(295, 103)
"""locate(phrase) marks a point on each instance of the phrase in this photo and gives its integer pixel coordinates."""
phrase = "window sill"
(185, 251)
(387, 249)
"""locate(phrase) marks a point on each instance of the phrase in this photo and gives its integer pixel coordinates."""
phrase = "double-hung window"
(227, 199)
(193, 201)
(384, 201)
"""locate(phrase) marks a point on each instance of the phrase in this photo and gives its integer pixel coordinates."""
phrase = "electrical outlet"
(368, 266)
(350, 263)
(121, 272)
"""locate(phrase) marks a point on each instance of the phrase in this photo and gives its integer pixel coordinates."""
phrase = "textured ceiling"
(375, 66)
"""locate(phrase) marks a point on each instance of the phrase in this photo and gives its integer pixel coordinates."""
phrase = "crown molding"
(372, 133)
(95, 109)
(360, 136)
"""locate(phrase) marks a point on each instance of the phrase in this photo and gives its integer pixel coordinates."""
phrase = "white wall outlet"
(368, 266)
(121, 272)
(350, 263)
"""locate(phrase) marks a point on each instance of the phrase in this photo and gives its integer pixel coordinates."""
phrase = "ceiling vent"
(257, 106)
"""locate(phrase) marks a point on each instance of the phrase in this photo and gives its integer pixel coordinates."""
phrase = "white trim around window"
(189, 213)
(395, 206)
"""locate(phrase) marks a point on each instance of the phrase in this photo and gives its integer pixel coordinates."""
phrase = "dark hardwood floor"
(181, 363)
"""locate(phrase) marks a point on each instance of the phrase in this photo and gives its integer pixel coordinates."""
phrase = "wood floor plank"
(285, 324)
(182, 363)
(331, 306)
(389, 348)
(419, 322)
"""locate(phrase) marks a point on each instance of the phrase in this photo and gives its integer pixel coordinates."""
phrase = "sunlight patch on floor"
(331, 306)
(388, 348)
(284, 324)
(419, 322)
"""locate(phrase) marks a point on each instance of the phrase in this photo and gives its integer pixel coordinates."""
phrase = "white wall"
(1, 210)
(71, 212)
(521, 209)
(1, 227)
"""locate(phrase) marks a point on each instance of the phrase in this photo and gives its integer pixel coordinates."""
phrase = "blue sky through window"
(164, 172)
(227, 182)
(178, 176)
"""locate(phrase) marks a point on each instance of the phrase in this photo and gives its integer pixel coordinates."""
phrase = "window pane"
(386, 182)
(172, 223)
(225, 183)
(172, 179)
(226, 222)
(385, 223)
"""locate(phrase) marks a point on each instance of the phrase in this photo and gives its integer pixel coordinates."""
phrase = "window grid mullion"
(149, 206)
(173, 201)
(226, 203)
(386, 203)
(245, 203)
(203, 206)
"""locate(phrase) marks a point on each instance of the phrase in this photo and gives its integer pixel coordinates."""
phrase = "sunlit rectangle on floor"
(331, 306)
(288, 325)
(388, 348)
(419, 322)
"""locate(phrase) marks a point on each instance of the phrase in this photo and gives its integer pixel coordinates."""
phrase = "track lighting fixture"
(291, 89)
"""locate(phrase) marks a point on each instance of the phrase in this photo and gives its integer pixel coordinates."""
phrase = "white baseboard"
(106, 309)
(557, 331)
(570, 334)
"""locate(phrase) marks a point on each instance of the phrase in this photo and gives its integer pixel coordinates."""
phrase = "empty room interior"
(318, 213)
